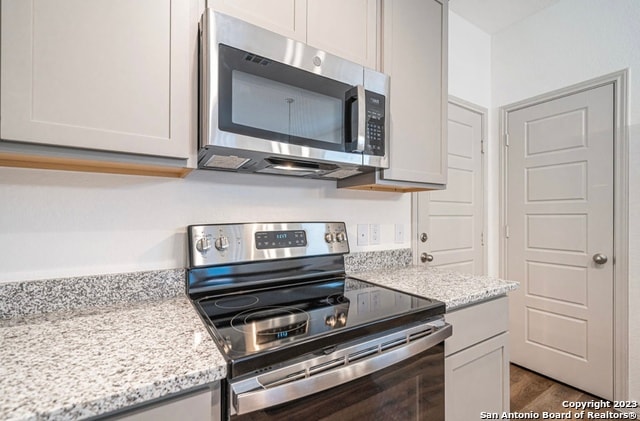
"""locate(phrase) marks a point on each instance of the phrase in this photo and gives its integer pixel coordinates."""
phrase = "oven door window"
(410, 390)
(262, 98)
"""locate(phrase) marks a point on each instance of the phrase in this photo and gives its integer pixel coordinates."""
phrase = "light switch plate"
(363, 234)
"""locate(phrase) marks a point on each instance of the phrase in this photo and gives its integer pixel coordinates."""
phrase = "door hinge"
(482, 239)
(481, 145)
(506, 231)
(506, 139)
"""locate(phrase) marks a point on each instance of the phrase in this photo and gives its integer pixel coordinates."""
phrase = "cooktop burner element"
(243, 301)
(265, 303)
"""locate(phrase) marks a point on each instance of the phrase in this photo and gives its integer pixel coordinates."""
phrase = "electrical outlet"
(399, 237)
(363, 234)
(374, 233)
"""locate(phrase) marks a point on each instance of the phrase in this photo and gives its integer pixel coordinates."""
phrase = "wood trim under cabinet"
(394, 189)
(70, 164)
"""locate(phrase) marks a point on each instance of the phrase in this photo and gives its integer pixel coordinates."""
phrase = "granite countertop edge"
(132, 397)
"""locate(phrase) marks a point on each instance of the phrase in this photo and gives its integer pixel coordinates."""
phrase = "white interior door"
(559, 219)
(452, 219)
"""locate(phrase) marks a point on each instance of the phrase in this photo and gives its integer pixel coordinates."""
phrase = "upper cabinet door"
(415, 56)
(348, 29)
(285, 17)
(109, 75)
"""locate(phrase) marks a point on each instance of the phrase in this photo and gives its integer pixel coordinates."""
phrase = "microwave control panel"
(375, 133)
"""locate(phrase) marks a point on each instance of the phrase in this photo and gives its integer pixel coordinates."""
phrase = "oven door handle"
(261, 398)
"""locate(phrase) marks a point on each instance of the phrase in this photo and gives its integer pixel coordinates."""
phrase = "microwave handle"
(357, 95)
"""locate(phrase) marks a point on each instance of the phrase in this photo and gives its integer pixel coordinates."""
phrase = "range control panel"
(218, 244)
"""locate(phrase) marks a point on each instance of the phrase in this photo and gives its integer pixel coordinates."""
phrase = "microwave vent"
(226, 162)
(257, 59)
(342, 173)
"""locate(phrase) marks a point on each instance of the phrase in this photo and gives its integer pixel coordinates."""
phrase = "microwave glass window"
(265, 99)
(265, 104)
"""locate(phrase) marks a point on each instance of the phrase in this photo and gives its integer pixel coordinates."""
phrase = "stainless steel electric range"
(305, 341)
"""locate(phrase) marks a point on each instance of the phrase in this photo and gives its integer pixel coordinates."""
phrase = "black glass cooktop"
(272, 324)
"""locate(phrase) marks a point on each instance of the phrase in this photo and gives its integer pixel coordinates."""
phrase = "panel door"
(454, 218)
(559, 216)
(285, 17)
(414, 55)
(106, 75)
(348, 29)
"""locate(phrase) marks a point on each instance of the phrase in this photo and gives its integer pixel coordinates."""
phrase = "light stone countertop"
(80, 347)
(454, 289)
(87, 362)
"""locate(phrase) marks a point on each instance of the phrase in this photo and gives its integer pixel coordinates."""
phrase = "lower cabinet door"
(477, 380)
(192, 407)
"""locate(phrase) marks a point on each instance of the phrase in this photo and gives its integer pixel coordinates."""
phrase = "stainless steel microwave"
(269, 104)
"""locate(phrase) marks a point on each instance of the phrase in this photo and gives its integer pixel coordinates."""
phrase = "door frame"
(483, 112)
(619, 80)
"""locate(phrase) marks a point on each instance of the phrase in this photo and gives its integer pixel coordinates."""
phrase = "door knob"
(424, 237)
(426, 257)
(600, 258)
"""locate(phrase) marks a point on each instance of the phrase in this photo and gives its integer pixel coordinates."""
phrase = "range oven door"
(398, 381)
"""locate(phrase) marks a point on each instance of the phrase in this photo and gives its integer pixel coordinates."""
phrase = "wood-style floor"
(533, 392)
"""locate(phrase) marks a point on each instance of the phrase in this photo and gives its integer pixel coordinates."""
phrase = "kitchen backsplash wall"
(62, 224)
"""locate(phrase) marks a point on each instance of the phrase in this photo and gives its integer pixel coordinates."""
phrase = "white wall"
(56, 223)
(573, 41)
(469, 61)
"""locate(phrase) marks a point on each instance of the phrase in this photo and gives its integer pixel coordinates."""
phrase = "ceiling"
(494, 15)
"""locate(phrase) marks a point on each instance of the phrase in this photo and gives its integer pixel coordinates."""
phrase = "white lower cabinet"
(202, 405)
(477, 361)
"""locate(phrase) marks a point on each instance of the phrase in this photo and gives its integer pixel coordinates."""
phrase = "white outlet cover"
(363, 234)
(399, 233)
(374, 231)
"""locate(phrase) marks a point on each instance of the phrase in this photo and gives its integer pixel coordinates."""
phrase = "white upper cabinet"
(415, 58)
(344, 28)
(285, 17)
(414, 55)
(347, 29)
(107, 75)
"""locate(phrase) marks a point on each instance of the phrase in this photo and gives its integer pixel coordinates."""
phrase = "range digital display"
(280, 239)
(280, 333)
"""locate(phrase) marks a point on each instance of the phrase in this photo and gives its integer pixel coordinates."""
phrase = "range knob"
(222, 243)
(329, 237)
(341, 237)
(203, 244)
(342, 319)
(330, 320)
